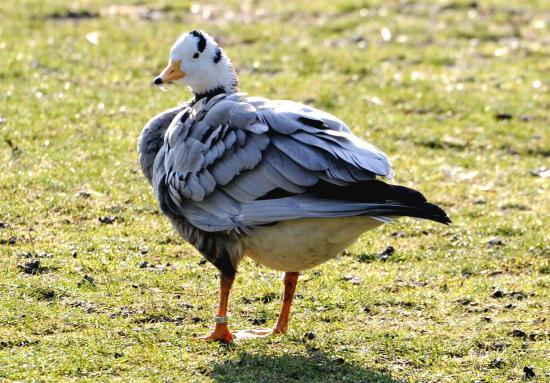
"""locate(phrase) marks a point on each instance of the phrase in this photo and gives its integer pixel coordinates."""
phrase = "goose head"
(197, 61)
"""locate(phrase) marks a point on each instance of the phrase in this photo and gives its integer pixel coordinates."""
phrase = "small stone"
(258, 321)
(144, 265)
(465, 301)
(367, 258)
(528, 372)
(498, 294)
(87, 279)
(503, 116)
(143, 251)
(497, 363)
(32, 267)
(399, 234)
(513, 151)
(498, 346)
(534, 337)
(28, 254)
(268, 297)
(495, 242)
(353, 279)
(107, 219)
(83, 193)
(388, 251)
(519, 295)
(518, 333)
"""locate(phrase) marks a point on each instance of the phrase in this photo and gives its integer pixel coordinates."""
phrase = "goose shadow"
(312, 368)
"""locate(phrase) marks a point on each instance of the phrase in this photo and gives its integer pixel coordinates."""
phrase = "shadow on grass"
(315, 367)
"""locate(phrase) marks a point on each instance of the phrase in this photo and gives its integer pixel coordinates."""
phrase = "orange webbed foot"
(220, 334)
(237, 335)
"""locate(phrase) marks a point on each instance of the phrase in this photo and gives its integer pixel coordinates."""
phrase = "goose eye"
(196, 56)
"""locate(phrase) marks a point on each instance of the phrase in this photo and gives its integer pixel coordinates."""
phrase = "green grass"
(458, 98)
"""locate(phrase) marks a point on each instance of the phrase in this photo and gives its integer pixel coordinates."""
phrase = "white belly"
(301, 244)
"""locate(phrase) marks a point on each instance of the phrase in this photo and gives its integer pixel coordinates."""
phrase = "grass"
(456, 93)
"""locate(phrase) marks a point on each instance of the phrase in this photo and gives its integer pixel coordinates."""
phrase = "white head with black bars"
(196, 60)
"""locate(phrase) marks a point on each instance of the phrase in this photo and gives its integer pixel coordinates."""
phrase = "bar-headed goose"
(283, 183)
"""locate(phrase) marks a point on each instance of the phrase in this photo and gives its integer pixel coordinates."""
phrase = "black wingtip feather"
(394, 200)
(414, 198)
(391, 200)
(435, 213)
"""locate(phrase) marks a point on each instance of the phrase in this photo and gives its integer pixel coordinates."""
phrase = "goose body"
(255, 172)
(308, 242)
(284, 183)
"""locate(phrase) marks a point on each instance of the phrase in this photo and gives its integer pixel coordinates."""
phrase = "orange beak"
(171, 73)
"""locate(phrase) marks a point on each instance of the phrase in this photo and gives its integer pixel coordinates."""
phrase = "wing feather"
(222, 157)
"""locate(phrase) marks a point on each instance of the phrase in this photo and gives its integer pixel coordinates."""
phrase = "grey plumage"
(213, 164)
(282, 183)
(230, 146)
(152, 139)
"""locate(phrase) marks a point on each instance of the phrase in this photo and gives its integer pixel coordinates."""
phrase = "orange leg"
(221, 332)
(290, 281)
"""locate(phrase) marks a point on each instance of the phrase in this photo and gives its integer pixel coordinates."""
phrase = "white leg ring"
(221, 319)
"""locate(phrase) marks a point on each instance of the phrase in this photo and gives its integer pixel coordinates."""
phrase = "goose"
(283, 183)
